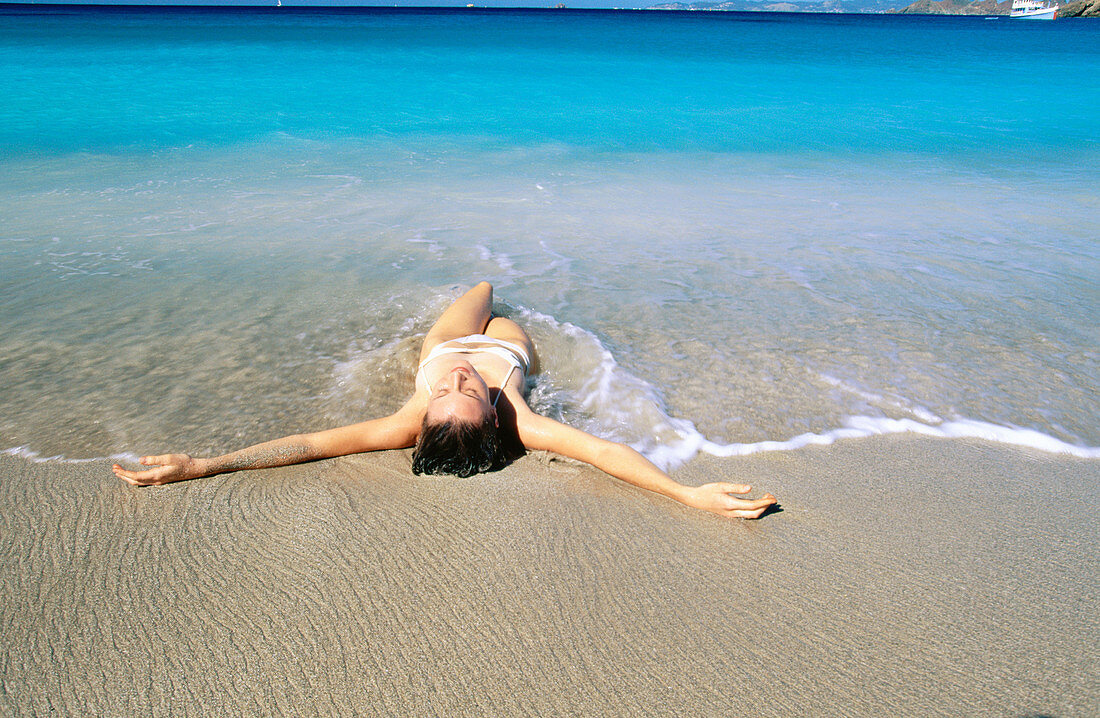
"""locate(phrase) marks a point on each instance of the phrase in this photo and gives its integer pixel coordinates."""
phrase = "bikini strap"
(503, 384)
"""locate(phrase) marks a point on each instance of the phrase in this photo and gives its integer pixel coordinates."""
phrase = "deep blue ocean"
(730, 231)
(104, 79)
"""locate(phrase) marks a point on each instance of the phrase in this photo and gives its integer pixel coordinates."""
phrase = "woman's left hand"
(717, 498)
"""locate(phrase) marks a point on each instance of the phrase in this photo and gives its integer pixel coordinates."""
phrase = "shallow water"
(223, 226)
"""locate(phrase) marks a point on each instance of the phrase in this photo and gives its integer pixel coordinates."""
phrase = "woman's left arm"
(622, 462)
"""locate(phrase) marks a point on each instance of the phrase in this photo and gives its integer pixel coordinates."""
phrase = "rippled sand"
(903, 576)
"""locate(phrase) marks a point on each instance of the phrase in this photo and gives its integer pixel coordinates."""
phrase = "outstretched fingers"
(720, 498)
(149, 477)
(748, 508)
(166, 468)
(136, 478)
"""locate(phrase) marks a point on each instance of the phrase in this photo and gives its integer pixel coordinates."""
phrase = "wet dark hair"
(459, 448)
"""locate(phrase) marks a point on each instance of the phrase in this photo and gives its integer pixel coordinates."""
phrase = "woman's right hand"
(169, 468)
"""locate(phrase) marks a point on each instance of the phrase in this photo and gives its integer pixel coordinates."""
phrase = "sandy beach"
(903, 576)
(726, 233)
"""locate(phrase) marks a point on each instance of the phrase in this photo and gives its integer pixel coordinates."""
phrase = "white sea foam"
(859, 427)
(558, 260)
(618, 405)
(584, 385)
(919, 412)
(24, 452)
(506, 264)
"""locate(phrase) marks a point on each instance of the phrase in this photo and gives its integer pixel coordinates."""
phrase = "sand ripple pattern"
(350, 587)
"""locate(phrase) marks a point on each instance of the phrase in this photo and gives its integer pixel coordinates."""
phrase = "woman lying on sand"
(468, 406)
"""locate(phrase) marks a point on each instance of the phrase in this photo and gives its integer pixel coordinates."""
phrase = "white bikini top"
(514, 354)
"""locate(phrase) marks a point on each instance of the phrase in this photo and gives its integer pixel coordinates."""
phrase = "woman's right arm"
(397, 431)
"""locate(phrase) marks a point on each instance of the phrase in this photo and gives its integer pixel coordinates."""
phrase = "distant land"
(957, 7)
(1079, 8)
(832, 6)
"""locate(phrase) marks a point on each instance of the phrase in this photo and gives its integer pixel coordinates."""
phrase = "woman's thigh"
(509, 331)
(469, 314)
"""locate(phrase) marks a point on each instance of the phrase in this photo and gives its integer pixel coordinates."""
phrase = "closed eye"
(472, 393)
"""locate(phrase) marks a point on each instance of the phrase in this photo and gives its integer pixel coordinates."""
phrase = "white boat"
(1033, 10)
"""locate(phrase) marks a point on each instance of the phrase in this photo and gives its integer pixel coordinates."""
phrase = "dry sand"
(903, 576)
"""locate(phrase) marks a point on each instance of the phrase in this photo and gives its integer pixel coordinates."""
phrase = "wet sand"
(903, 576)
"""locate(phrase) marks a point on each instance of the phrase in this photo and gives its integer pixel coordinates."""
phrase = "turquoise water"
(729, 232)
(105, 80)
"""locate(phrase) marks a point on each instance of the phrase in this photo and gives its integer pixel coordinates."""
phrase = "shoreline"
(902, 574)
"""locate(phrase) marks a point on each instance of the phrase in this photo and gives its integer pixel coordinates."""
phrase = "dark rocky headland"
(1078, 8)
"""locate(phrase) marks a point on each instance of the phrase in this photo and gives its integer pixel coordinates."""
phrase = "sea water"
(726, 232)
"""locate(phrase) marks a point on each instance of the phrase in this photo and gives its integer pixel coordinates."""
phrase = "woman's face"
(460, 394)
